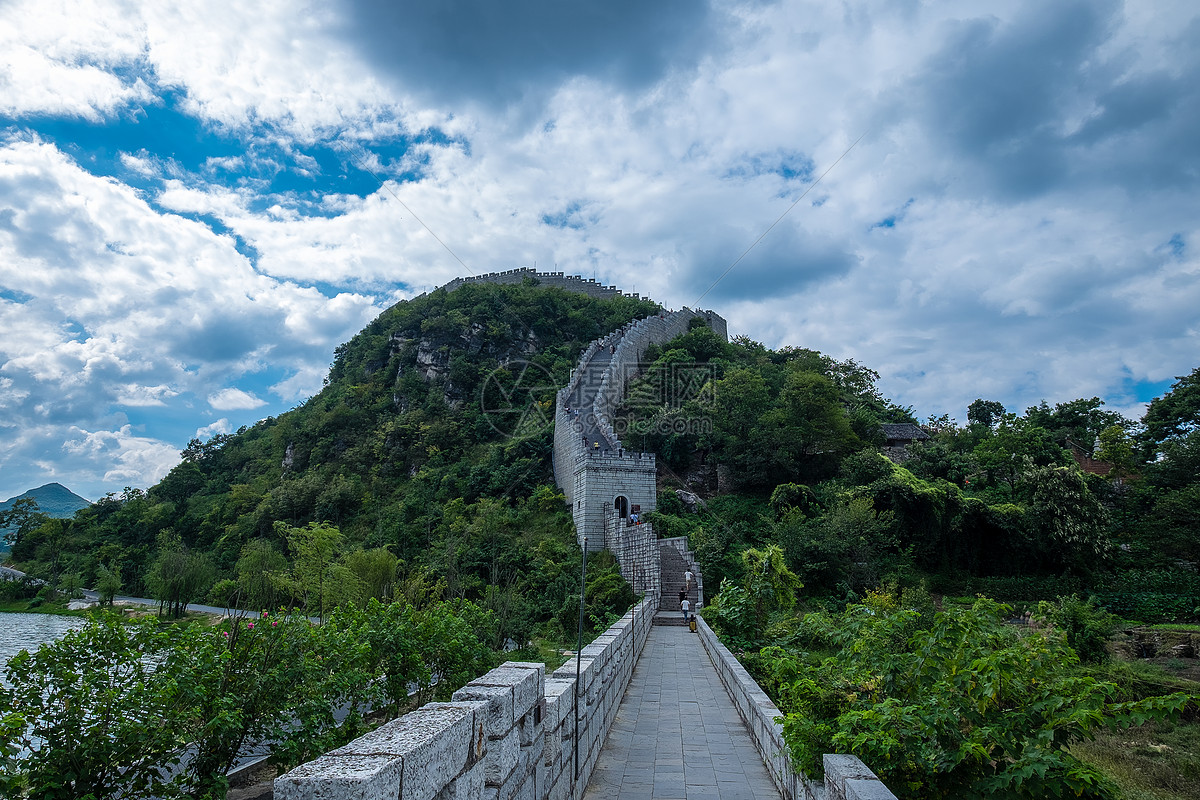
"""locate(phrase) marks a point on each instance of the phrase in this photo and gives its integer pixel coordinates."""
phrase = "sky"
(200, 201)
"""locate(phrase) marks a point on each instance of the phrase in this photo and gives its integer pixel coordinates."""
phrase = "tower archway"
(621, 504)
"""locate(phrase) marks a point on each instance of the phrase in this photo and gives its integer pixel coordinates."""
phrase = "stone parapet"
(636, 549)
(558, 280)
(510, 733)
(846, 777)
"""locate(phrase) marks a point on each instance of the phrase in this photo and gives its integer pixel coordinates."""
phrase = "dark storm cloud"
(1047, 99)
(494, 53)
(783, 264)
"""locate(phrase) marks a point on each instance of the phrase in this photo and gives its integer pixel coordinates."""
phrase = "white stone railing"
(510, 733)
(846, 777)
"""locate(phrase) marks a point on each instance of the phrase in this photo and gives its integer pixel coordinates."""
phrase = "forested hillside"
(423, 466)
(785, 447)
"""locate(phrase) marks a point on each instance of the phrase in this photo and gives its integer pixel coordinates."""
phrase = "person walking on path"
(686, 605)
(688, 576)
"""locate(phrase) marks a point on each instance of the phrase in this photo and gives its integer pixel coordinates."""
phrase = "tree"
(1015, 446)
(108, 582)
(1070, 520)
(19, 519)
(260, 569)
(95, 714)
(1116, 448)
(768, 588)
(1175, 414)
(178, 576)
(964, 707)
(317, 576)
(985, 412)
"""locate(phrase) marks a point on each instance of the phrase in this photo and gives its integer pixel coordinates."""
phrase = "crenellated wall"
(516, 732)
(572, 283)
(510, 733)
(592, 479)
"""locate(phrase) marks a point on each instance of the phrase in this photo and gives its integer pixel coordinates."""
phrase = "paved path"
(677, 735)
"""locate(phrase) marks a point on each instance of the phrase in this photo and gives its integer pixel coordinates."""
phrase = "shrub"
(1086, 625)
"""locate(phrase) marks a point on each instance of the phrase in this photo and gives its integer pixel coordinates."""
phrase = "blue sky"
(198, 204)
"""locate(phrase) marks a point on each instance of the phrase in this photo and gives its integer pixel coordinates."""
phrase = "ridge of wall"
(510, 733)
(572, 283)
(590, 480)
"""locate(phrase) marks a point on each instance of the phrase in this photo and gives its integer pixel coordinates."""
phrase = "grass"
(23, 607)
(1182, 627)
(1157, 761)
(539, 650)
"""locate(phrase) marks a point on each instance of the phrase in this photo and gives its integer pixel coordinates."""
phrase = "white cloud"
(134, 395)
(212, 429)
(233, 399)
(125, 458)
(1050, 254)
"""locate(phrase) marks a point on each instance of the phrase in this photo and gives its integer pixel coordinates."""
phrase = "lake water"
(27, 631)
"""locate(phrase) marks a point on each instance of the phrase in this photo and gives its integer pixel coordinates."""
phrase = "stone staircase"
(673, 565)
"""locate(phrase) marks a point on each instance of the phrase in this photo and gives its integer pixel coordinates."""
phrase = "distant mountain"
(53, 499)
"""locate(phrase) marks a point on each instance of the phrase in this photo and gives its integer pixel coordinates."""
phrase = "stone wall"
(591, 481)
(510, 733)
(846, 777)
(559, 280)
(636, 549)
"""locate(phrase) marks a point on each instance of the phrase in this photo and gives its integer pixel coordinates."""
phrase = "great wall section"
(518, 732)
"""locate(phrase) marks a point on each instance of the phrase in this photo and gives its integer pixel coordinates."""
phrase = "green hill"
(53, 499)
(424, 468)
(429, 450)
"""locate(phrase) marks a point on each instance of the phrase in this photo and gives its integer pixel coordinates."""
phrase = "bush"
(968, 707)
(1086, 626)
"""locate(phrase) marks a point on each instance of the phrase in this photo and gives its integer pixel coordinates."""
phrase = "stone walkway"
(677, 735)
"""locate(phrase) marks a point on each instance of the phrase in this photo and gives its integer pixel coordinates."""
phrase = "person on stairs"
(689, 577)
(686, 605)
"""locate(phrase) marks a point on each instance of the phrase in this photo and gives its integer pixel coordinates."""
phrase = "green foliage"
(108, 583)
(178, 575)
(1086, 626)
(852, 545)
(108, 710)
(966, 707)
(768, 590)
(93, 713)
(985, 412)
(377, 454)
(606, 597)
(1175, 414)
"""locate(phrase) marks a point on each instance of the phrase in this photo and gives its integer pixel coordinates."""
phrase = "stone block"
(857, 789)
(416, 757)
(467, 786)
(342, 778)
(558, 697)
(501, 759)
(847, 778)
(497, 702)
(524, 683)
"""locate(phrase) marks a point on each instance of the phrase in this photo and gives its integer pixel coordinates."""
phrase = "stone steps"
(673, 566)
